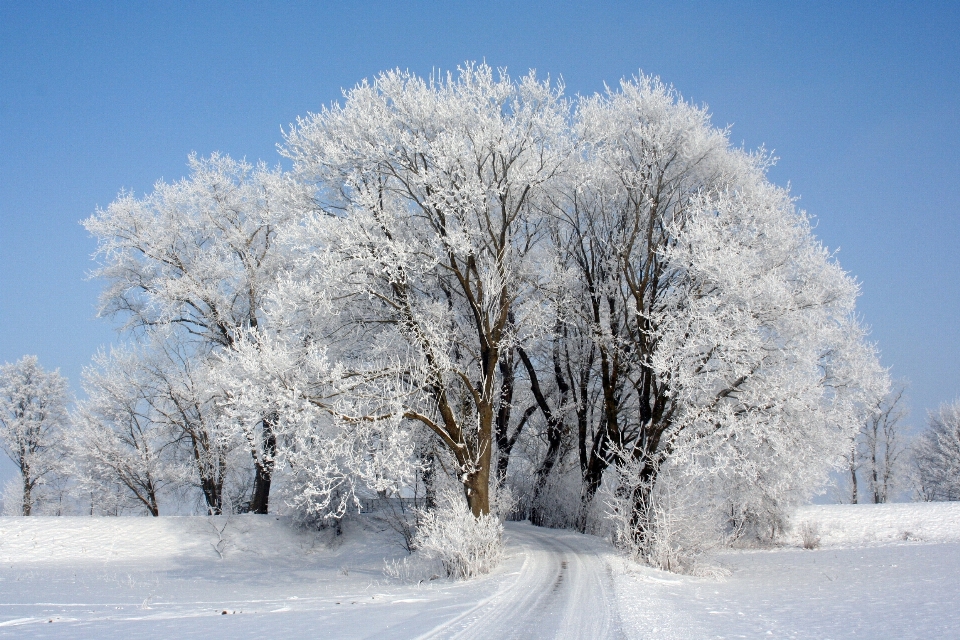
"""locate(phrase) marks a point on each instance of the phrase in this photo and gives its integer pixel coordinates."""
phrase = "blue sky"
(859, 102)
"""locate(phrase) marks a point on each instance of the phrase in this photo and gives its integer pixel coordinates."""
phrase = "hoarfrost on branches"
(118, 439)
(937, 455)
(473, 276)
(466, 546)
(426, 247)
(191, 263)
(33, 417)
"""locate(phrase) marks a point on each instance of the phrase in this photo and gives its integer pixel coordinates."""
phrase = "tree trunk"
(554, 440)
(211, 473)
(597, 463)
(429, 472)
(213, 494)
(264, 469)
(154, 509)
(554, 429)
(607, 436)
(640, 515)
(477, 490)
(27, 497)
(853, 480)
(873, 471)
(504, 445)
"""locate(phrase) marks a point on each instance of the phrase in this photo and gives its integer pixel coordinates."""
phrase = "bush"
(810, 535)
(675, 527)
(464, 546)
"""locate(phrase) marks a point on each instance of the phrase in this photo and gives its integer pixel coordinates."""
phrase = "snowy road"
(552, 584)
(564, 589)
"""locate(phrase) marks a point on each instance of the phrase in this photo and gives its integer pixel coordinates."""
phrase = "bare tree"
(875, 462)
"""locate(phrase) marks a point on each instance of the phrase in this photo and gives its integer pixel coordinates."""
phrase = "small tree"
(881, 446)
(937, 455)
(118, 445)
(33, 413)
(874, 465)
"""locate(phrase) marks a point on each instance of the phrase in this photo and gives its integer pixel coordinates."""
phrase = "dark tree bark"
(507, 383)
(263, 464)
(27, 497)
(853, 474)
(554, 421)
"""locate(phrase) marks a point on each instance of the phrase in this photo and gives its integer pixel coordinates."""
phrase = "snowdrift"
(72, 539)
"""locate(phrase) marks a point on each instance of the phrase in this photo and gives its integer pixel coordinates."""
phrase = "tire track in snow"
(564, 590)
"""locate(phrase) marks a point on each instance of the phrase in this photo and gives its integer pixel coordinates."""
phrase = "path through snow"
(564, 589)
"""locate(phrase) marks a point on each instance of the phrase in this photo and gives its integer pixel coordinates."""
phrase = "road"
(563, 590)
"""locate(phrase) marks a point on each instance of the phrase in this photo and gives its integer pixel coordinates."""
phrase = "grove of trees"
(582, 311)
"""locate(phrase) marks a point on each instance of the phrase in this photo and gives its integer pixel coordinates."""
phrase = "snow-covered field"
(889, 571)
(881, 571)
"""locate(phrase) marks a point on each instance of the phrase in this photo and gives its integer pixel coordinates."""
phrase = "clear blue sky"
(859, 101)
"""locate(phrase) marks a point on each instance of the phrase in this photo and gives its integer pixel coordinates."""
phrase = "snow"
(882, 571)
(164, 577)
(870, 524)
(899, 591)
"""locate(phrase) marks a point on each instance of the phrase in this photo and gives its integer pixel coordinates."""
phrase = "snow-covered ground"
(881, 572)
(164, 577)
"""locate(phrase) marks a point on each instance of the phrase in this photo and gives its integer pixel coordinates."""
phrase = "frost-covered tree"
(185, 400)
(425, 252)
(33, 417)
(937, 455)
(876, 458)
(118, 440)
(331, 448)
(195, 259)
(763, 364)
(465, 273)
(708, 333)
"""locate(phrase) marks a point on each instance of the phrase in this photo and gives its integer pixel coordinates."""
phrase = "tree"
(185, 401)
(937, 455)
(330, 455)
(722, 336)
(878, 448)
(645, 156)
(426, 247)
(118, 440)
(33, 416)
(475, 260)
(198, 257)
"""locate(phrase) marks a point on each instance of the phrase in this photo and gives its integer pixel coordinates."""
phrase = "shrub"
(810, 535)
(464, 546)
